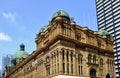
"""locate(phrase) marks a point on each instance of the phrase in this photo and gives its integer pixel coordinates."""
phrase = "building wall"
(67, 49)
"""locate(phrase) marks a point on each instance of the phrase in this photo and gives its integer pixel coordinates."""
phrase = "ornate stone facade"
(65, 48)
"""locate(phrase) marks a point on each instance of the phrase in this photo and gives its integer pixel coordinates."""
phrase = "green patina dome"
(104, 33)
(60, 13)
(43, 28)
(11, 66)
(21, 54)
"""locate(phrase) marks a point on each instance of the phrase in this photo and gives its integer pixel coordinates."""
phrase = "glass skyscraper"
(108, 18)
(6, 60)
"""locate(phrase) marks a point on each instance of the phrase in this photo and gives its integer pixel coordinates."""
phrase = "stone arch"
(93, 73)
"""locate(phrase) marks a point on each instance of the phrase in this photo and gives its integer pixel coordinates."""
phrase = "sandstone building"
(66, 50)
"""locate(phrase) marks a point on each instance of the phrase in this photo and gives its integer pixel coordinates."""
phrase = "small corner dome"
(104, 33)
(60, 13)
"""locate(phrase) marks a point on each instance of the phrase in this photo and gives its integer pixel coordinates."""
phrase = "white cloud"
(10, 16)
(4, 37)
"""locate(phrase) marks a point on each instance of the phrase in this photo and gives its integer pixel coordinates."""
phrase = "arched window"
(89, 58)
(94, 59)
(101, 62)
(101, 66)
(78, 36)
(71, 56)
(79, 59)
(99, 43)
(47, 59)
(92, 73)
(80, 68)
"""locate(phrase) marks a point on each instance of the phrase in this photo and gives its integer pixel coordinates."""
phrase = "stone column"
(65, 57)
(51, 63)
(56, 62)
(74, 64)
(69, 58)
(77, 64)
(60, 62)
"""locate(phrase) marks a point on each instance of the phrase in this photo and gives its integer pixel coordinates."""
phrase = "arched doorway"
(92, 73)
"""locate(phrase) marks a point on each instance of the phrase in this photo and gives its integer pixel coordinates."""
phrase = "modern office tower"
(108, 18)
(6, 60)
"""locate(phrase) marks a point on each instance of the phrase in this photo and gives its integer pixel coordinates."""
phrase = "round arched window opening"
(92, 73)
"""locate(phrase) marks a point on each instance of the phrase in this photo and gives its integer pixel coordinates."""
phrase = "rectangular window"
(108, 10)
(116, 13)
(111, 31)
(102, 14)
(116, 9)
(100, 8)
(100, 1)
(102, 25)
(108, 14)
(108, 21)
(109, 25)
(107, 4)
(101, 18)
(118, 36)
(118, 20)
(116, 17)
(117, 25)
(116, 5)
(100, 5)
(101, 22)
(110, 28)
(109, 17)
(115, 1)
(105, 1)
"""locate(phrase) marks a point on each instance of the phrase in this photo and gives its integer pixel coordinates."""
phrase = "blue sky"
(21, 20)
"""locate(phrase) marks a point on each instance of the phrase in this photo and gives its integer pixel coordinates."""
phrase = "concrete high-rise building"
(108, 17)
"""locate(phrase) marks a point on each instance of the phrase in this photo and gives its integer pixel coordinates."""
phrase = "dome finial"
(22, 47)
(61, 13)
